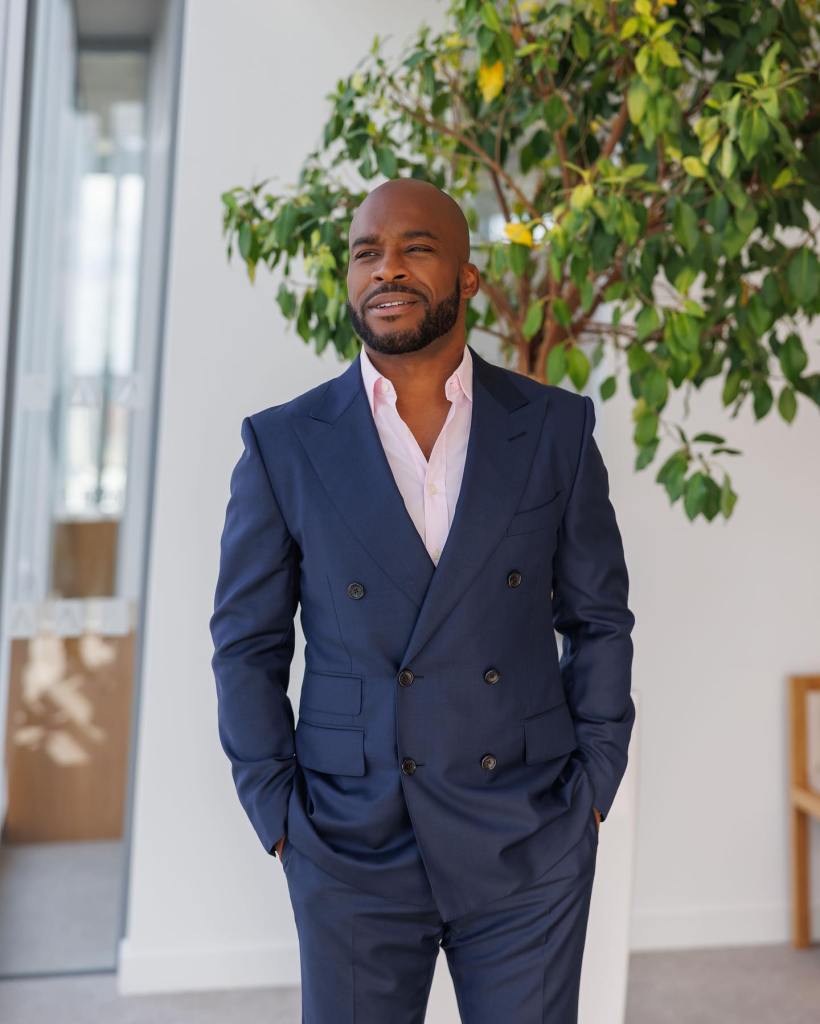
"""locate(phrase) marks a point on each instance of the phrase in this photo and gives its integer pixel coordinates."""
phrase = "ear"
(470, 280)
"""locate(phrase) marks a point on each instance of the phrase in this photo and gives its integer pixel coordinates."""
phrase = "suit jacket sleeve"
(253, 632)
(590, 590)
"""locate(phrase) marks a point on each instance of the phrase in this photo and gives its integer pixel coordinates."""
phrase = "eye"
(367, 252)
(421, 248)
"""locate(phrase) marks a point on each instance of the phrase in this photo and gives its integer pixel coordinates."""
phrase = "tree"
(653, 164)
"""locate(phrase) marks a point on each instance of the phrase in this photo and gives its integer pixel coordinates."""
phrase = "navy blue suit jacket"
(441, 741)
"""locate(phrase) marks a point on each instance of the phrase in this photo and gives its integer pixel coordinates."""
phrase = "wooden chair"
(804, 804)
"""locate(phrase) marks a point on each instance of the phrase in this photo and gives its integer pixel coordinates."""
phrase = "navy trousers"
(369, 960)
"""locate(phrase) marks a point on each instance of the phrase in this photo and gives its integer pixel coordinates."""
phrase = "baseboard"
(196, 970)
(708, 927)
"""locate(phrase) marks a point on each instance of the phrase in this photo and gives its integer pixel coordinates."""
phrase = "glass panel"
(79, 431)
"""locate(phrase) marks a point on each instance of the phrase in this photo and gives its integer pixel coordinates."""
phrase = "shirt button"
(432, 489)
(489, 762)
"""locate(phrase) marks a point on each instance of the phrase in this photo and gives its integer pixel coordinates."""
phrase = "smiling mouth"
(392, 305)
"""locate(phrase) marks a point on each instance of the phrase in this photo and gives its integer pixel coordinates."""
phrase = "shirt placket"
(436, 514)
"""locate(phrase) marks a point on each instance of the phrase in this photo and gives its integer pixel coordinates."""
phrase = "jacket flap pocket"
(331, 692)
(536, 518)
(549, 734)
(329, 749)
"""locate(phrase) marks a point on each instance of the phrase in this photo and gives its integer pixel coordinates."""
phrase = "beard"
(435, 322)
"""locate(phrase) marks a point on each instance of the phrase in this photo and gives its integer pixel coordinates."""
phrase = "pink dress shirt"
(429, 489)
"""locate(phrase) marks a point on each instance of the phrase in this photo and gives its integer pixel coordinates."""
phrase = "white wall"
(724, 611)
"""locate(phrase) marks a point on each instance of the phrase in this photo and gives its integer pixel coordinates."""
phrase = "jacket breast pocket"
(330, 749)
(331, 693)
(549, 734)
(541, 517)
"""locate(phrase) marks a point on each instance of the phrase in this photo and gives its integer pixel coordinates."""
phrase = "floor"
(60, 906)
(750, 985)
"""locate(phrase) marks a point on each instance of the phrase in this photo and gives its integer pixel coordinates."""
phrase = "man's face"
(399, 254)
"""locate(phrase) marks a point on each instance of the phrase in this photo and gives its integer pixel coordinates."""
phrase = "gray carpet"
(753, 985)
(748, 985)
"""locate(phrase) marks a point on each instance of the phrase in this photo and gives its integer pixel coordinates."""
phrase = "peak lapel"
(343, 444)
(504, 431)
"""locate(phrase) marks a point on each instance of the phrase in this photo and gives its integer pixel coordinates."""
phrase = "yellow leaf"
(582, 196)
(491, 80)
(454, 39)
(693, 166)
(667, 53)
(709, 148)
(517, 232)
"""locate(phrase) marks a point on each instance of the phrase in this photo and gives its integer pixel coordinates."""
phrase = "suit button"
(492, 675)
(355, 590)
(408, 765)
(488, 761)
(406, 677)
(514, 579)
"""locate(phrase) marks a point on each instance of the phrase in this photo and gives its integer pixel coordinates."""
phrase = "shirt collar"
(460, 379)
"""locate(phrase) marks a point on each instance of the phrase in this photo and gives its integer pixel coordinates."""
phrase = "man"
(437, 517)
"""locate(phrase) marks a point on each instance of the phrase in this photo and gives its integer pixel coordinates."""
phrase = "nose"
(391, 268)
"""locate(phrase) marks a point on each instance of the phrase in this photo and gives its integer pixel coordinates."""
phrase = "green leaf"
(555, 113)
(731, 387)
(286, 300)
(489, 15)
(695, 494)
(792, 357)
(557, 363)
(803, 276)
(519, 258)
(787, 403)
(646, 322)
(754, 130)
(245, 239)
(685, 225)
(646, 428)
(387, 162)
(580, 41)
(608, 388)
(655, 388)
(533, 319)
(578, 367)
(762, 398)
(728, 497)
(561, 312)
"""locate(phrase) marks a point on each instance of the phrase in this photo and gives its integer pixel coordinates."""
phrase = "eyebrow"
(373, 239)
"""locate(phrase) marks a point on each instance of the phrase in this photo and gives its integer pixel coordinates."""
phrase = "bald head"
(422, 201)
(409, 248)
